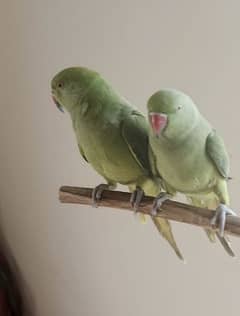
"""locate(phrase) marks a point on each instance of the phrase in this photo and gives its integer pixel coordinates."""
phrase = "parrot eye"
(60, 85)
(179, 107)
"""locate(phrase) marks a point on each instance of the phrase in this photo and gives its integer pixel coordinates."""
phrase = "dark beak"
(58, 104)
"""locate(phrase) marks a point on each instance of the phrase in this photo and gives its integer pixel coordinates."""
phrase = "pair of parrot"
(176, 151)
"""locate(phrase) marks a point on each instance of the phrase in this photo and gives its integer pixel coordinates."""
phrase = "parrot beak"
(158, 122)
(57, 104)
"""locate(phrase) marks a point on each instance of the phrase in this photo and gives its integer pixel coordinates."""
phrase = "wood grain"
(171, 210)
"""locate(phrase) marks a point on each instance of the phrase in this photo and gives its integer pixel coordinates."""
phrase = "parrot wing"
(82, 153)
(216, 151)
(153, 163)
(135, 133)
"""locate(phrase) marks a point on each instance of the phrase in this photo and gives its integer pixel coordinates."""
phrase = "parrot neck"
(99, 97)
(102, 92)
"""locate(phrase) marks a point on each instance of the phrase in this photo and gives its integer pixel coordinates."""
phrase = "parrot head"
(70, 85)
(171, 113)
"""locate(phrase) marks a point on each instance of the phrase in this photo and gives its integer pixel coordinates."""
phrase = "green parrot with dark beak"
(190, 157)
(112, 136)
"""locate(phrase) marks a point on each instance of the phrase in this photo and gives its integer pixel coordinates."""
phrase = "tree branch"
(171, 210)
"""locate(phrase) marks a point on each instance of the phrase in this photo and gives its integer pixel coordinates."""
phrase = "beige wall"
(79, 261)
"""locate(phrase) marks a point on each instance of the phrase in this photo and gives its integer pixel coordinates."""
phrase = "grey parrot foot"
(136, 198)
(220, 217)
(97, 193)
(163, 196)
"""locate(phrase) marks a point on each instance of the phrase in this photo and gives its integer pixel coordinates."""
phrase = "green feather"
(135, 133)
(216, 150)
(82, 153)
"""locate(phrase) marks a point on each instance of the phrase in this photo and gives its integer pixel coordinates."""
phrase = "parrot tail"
(164, 228)
(212, 202)
(151, 187)
(211, 235)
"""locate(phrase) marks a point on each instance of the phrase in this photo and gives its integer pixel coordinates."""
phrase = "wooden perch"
(171, 210)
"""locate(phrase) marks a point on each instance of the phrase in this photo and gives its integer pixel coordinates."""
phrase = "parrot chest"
(107, 152)
(187, 168)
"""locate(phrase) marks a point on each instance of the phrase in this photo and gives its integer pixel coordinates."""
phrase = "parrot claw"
(163, 196)
(220, 217)
(97, 193)
(136, 198)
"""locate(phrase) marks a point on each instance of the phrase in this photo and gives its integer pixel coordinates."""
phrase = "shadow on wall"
(15, 296)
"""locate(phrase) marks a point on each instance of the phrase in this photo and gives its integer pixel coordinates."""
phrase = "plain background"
(82, 261)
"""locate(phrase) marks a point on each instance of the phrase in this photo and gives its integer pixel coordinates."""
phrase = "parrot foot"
(98, 191)
(136, 198)
(163, 196)
(220, 217)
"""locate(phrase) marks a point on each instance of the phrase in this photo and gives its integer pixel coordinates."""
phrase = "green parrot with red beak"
(189, 156)
(112, 137)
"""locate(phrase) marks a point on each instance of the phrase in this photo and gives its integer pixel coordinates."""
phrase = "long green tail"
(164, 228)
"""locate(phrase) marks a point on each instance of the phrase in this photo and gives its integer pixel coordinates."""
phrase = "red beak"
(158, 122)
